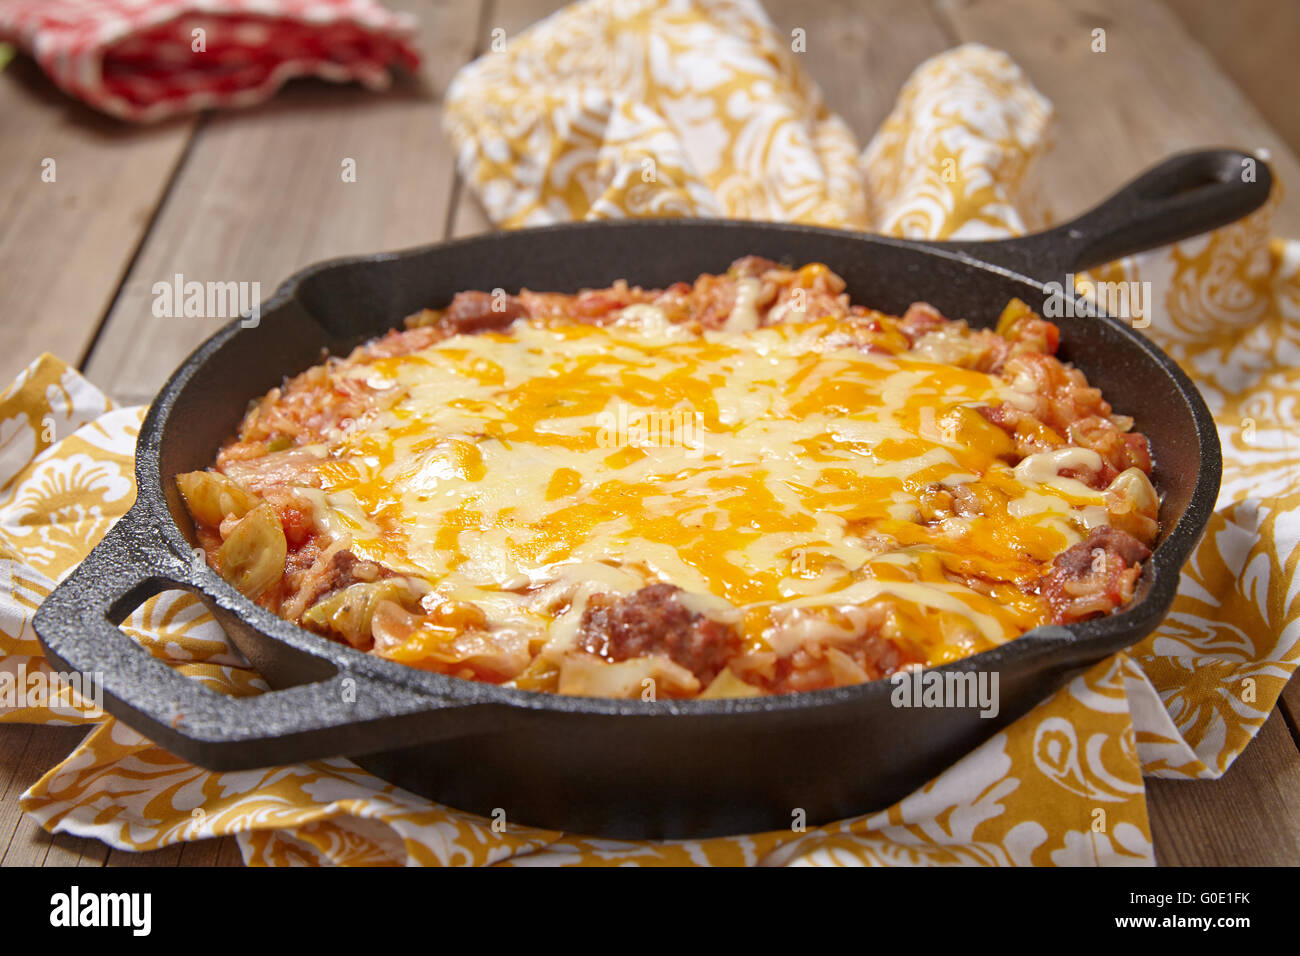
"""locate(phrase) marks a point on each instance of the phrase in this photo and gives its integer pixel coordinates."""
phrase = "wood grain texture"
(468, 216)
(262, 194)
(1246, 817)
(14, 739)
(19, 771)
(28, 844)
(1155, 91)
(1254, 43)
(860, 54)
(26, 754)
(65, 245)
(167, 856)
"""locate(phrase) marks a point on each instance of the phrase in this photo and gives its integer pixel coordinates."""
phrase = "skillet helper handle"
(1187, 194)
(78, 628)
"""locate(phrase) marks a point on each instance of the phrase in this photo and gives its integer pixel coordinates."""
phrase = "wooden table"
(256, 194)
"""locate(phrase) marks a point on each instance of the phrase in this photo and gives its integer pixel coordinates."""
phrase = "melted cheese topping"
(752, 467)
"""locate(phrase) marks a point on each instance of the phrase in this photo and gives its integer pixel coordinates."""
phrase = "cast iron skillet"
(617, 767)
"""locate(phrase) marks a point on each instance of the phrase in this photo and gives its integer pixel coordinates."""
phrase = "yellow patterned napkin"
(612, 109)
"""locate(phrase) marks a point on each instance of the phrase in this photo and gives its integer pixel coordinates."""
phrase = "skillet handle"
(1185, 195)
(348, 712)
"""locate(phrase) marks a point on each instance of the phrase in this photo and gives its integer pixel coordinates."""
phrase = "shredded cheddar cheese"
(741, 487)
(499, 465)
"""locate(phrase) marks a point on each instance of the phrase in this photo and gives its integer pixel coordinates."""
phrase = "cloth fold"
(145, 61)
(697, 107)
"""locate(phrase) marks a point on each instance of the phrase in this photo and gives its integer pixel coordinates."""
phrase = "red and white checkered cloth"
(144, 60)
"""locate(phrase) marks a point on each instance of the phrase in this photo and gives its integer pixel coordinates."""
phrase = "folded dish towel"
(145, 60)
(704, 96)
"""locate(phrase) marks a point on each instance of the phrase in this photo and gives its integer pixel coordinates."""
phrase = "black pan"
(619, 767)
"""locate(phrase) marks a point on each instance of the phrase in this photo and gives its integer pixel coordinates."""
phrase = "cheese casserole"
(740, 486)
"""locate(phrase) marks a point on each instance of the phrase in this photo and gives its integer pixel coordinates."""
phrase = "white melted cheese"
(744, 312)
(752, 467)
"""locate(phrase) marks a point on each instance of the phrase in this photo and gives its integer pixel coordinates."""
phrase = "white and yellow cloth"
(618, 108)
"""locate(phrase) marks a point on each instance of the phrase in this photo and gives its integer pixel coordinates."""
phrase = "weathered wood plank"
(167, 856)
(861, 54)
(230, 854)
(210, 853)
(65, 245)
(221, 851)
(25, 843)
(14, 739)
(63, 848)
(1246, 818)
(1153, 92)
(265, 192)
(1253, 41)
(468, 217)
(96, 854)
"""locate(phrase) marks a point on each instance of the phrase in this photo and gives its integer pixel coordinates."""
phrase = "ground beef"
(653, 621)
(344, 569)
(474, 312)
(1095, 576)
